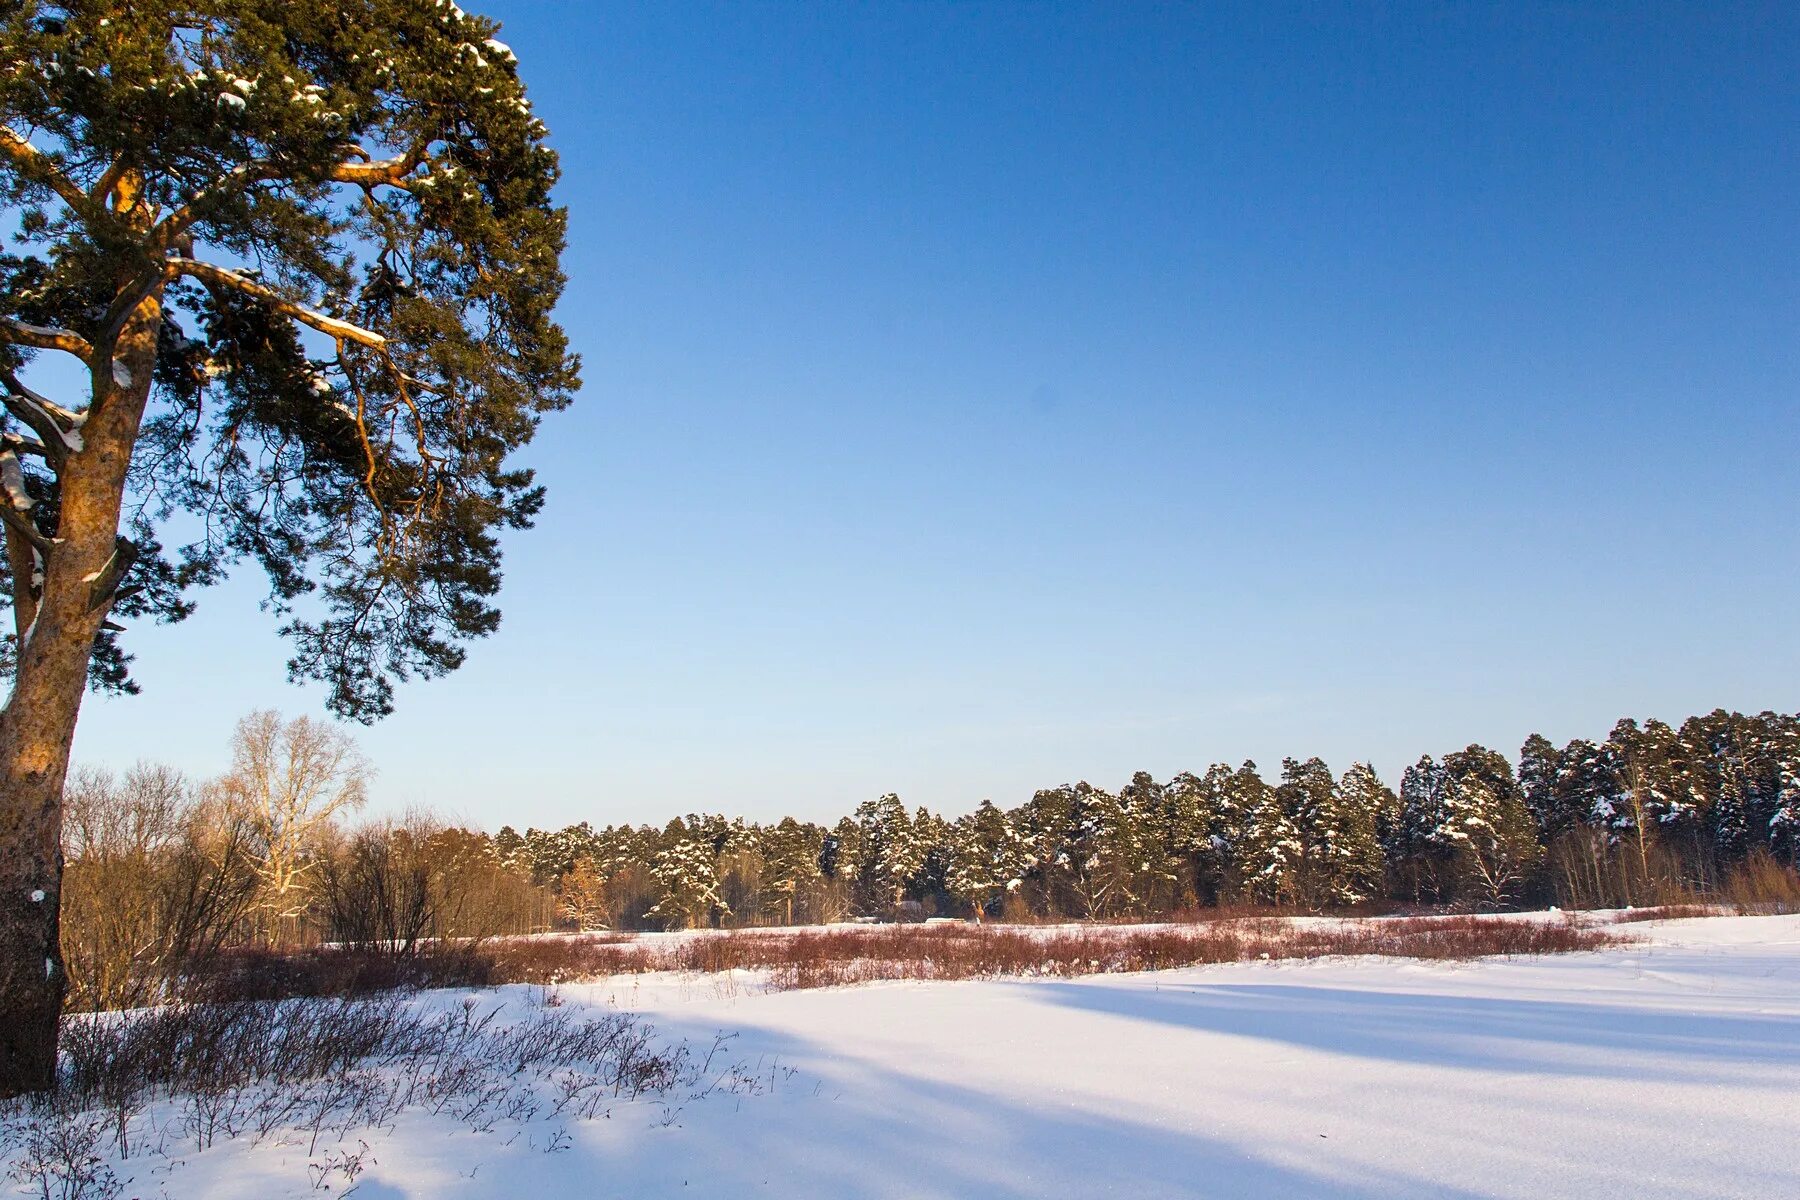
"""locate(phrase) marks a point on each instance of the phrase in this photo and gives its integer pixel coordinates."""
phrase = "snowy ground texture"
(1667, 1068)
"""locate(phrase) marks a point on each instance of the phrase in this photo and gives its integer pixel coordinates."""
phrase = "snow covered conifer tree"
(1157, 871)
(987, 858)
(1644, 794)
(1271, 856)
(1366, 809)
(1538, 765)
(1416, 853)
(891, 852)
(1587, 785)
(791, 853)
(688, 876)
(1048, 824)
(1105, 857)
(1486, 828)
(1189, 824)
(1308, 796)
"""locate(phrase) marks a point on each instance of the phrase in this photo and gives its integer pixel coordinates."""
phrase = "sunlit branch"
(45, 337)
(219, 276)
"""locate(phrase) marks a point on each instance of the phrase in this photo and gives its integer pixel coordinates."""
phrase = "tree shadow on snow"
(1485, 1033)
(874, 1132)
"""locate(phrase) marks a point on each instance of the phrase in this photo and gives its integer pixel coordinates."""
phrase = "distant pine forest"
(1653, 814)
(164, 871)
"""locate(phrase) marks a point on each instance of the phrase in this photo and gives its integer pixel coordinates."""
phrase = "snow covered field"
(1667, 1068)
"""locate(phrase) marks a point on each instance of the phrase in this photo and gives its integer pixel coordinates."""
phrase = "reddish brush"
(827, 957)
(831, 957)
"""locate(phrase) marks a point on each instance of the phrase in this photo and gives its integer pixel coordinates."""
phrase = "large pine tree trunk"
(35, 731)
(37, 726)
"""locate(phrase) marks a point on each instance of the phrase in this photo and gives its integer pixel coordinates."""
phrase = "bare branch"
(216, 275)
(45, 337)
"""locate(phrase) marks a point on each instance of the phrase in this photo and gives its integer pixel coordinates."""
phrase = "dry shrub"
(860, 954)
(1763, 884)
(256, 974)
(317, 1072)
(829, 957)
(157, 879)
(1668, 912)
(556, 958)
(839, 957)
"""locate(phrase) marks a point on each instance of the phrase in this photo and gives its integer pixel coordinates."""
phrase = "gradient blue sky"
(982, 397)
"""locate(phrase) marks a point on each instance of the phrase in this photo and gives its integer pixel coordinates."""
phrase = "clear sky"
(982, 397)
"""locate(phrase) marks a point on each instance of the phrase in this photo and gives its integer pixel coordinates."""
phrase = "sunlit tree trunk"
(80, 572)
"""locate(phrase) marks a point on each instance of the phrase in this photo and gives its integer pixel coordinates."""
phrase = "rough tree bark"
(56, 630)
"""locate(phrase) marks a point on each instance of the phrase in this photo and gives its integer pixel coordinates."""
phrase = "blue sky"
(981, 397)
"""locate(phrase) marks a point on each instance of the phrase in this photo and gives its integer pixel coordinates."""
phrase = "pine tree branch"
(170, 230)
(45, 337)
(18, 443)
(38, 167)
(106, 584)
(218, 276)
(15, 505)
(56, 427)
(390, 171)
(108, 181)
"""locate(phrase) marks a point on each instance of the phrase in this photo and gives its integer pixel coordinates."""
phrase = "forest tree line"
(1651, 814)
(163, 872)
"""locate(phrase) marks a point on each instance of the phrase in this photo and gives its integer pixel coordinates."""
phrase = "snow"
(1663, 1069)
(12, 481)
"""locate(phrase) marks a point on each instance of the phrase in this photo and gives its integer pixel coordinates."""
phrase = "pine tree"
(1587, 785)
(304, 259)
(791, 862)
(1366, 811)
(987, 858)
(1272, 856)
(930, 882)
(1783, 745)
(1417, 852)
(890, 853)
(1486, 828)
(688, 876)
(1307, 794)
(1645, 793)
(1157, 871)
(1192, 826)
(508, 850)
(1538, 766)
(1105, 855)
(1048, 825)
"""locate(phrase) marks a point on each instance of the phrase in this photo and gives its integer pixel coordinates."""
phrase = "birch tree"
(290, 781)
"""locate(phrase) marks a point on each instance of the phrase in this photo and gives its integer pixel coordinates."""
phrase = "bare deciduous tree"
(156, 882)
(290, 780)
